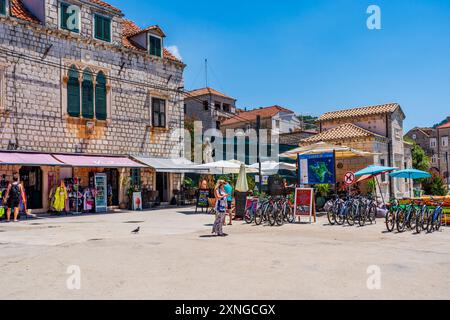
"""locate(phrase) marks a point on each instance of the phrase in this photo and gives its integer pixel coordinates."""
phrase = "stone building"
(435, 142)
(275, 119)
(209, 106)
(376, 129)
(76, 77)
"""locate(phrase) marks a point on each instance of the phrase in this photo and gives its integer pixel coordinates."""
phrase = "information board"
(316, 169)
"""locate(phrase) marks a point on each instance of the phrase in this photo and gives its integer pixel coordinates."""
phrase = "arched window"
(88, 95)
(73, 93)
(100, 97)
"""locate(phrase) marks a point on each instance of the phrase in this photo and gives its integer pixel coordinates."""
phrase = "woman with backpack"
(14, 194)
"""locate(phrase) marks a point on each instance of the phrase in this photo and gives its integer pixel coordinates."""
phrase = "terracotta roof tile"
(130, 29)
(19, 11)
(208, 91)
(250, 116)
(342, 132)
(359, 112)
(444, 126)
(106, 5)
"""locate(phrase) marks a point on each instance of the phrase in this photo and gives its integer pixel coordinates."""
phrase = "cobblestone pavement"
(175, 257)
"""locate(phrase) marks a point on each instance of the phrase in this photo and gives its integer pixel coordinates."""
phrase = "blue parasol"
(374, 170)
(411, 174)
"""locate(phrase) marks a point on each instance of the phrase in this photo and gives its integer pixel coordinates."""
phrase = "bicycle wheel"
(401, 221)
(331, 217)
(419, 223)
(412, 220)
(258, 217)
(290, 217)
(351, 216)
(271, 215)
(362, 217)
(439, 222)
(248, 216)
(279, 218)
(390, 220)
(372, 214)
(430, 223)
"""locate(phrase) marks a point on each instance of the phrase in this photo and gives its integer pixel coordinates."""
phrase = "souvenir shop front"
(91, 184)
(38, 174)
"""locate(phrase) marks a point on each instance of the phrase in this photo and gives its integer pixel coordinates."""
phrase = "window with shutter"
(88, 95)
(69, 16)
(73, 93)
(3, 7)
(100, 97)
(102, 28)
(155, 46)
(159, 113)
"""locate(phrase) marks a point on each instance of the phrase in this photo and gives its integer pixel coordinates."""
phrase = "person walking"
(229, 191)
(221, 205)
(14, 194)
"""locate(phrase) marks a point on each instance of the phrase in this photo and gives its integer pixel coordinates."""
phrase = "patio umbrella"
(411, 174)
(223, 167)
(272, 167)
(242, 183)
(374, 171)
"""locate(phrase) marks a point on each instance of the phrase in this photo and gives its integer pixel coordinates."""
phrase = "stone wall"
(35, 111)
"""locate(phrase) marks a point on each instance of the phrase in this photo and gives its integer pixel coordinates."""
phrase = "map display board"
(317, 169)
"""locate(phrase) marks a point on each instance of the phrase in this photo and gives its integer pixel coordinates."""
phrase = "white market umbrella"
(242, 183)
(272, 167)
(223, 167)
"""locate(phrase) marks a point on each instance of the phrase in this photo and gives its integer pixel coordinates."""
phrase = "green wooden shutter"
(100, 97)
(88, 95)
(2, 6)
(155, 46)
(73, 93)
(102, 28)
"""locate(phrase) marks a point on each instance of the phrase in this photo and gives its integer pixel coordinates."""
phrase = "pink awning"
(98, 161)
(28, 159)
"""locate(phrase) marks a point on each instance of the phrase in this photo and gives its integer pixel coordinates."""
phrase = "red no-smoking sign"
(349, 178)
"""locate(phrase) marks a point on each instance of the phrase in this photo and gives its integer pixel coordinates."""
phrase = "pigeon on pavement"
(136, 231)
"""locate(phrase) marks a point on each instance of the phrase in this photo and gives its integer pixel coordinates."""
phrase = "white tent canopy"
(342, 152)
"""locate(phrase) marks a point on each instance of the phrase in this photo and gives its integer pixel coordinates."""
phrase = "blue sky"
(312, 56)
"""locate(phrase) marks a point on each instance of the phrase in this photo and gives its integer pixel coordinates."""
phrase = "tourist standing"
(229, 191)
(221, 203)
(14, 194)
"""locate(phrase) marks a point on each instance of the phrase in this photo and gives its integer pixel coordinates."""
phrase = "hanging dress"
(60, 199)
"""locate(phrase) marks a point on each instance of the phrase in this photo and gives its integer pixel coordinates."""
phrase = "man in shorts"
(12, 198)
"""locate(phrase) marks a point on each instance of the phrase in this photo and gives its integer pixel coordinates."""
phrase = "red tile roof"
(250, 116)
(19, 11)
(106, 5)
(359, 112)
(130, 29)
(444, 126)
(342, 132)
(208, 91)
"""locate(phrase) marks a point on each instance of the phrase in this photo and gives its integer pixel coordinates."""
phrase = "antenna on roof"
(206, 72)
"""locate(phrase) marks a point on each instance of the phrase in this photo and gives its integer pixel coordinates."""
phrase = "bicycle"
(406, 218)
(250, 212)
(435, 219)
(422, 217)
(391, 216)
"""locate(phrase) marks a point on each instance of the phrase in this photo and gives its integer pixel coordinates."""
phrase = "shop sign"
(305, 203)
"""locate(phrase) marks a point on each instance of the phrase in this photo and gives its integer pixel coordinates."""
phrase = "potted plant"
(322, 191)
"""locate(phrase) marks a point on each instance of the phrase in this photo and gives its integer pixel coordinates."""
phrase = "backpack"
(15, 192)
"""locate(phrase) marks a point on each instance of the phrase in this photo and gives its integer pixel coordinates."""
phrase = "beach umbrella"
(374, 171)
(411, 174)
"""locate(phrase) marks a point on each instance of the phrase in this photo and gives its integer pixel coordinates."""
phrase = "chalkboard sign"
(202, 199)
